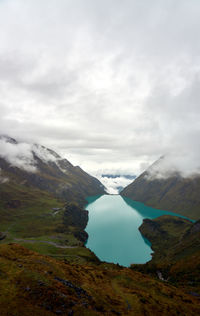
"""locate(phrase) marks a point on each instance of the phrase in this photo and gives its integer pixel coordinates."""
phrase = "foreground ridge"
(33, 284)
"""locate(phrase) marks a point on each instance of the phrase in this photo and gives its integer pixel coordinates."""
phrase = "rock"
(79, 291)
(2, 236)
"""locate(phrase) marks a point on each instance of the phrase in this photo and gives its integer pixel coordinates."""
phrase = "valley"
(46, 267)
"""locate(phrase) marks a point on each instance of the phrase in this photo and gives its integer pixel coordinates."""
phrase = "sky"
(111, 85)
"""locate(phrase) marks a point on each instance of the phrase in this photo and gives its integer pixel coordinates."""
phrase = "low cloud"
(186, 165)
(21, 155)
(114, 185)
(18, 155)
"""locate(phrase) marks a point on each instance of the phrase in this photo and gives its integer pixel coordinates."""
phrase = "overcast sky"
(111, 85)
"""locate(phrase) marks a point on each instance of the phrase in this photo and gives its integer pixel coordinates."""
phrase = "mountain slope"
(176, 245)
(32, 284)
(41, 168)
(173, 193)
(41, 200)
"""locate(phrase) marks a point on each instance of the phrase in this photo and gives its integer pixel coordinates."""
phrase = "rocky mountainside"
(35, 166)
(168, 192)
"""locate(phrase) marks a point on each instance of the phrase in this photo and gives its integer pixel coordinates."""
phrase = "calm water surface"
(113, 229)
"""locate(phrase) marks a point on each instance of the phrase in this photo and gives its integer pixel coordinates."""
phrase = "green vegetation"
(33, 284)
(40, 222)
(176, 257)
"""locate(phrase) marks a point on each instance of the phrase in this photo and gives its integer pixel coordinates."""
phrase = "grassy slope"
(176, 243)
(32, 284)
(28, 219)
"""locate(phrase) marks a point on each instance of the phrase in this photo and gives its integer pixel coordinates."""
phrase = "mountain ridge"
(44, 169)
(173, 193)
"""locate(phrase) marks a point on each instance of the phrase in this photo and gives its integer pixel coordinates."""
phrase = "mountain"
(113, 176)
(35, 166)
(41, 200)
(170, 191)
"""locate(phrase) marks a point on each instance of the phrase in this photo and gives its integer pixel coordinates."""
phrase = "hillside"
(176, 245)
(172, 193)
(33, 284)
(41, 200)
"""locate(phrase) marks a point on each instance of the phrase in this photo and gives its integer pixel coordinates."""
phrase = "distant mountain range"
(166, 191)
(114, 176)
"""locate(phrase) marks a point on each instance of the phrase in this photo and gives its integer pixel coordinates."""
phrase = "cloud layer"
(111, 85)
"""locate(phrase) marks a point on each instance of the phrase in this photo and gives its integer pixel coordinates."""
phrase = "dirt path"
(44, 242)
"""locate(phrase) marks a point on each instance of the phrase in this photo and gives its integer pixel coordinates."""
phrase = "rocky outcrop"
(2, 236)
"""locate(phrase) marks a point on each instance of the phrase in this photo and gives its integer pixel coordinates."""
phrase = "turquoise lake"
(113, 229)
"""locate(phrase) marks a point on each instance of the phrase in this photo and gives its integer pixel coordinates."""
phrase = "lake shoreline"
(108, 248)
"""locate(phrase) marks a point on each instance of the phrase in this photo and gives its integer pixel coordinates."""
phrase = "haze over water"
(113, 229)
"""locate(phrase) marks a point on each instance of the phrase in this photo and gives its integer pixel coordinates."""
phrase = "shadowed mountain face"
(175, 193)
(41, 168)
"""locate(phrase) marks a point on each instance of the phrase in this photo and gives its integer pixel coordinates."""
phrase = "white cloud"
(186, 165)
(18, 155)
(113, 184)
(21, 155)
(108, 84)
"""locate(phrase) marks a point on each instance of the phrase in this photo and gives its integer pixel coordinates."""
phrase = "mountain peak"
(8, 139)
(42, 168)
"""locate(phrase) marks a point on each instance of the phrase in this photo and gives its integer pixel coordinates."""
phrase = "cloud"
(113, 185)
(185, 166)
(22, 155)
(107, 84)
(18, 155)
